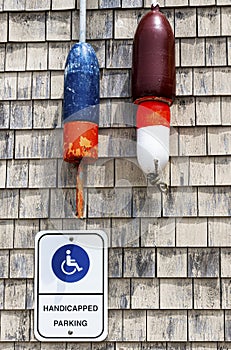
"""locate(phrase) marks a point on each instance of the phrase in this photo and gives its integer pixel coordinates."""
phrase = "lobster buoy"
(81, 111)
(81, 104)
(153, 88)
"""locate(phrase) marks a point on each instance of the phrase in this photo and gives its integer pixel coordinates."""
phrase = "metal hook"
(163, 187)
(154, 178)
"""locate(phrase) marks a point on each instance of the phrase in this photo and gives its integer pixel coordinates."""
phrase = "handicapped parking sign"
(70, 263)
(71, 286)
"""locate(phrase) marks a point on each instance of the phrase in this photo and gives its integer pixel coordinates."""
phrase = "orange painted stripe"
(150, 113)
(80, 140)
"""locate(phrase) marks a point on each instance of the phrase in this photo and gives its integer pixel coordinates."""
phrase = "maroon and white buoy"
(153, 88)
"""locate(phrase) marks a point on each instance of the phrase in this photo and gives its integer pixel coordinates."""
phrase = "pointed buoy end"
(155, 6)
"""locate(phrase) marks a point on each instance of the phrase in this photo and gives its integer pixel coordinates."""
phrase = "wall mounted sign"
(71, 286)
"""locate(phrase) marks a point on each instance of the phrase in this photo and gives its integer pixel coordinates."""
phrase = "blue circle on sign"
(70, 263)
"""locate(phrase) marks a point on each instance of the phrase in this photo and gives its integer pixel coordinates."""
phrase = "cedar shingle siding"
(170, 254)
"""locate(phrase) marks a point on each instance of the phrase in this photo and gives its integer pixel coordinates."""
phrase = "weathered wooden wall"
(170, 255)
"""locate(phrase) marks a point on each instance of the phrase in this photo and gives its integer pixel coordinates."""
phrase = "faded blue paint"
(81, 85)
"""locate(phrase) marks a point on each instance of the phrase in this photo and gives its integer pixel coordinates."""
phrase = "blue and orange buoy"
(81, 112)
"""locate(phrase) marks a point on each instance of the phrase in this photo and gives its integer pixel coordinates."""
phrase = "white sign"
(71, 286)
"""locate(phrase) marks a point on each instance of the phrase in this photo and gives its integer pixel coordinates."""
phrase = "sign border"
(104, 331)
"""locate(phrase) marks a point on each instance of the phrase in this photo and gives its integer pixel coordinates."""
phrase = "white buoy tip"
(155, 4)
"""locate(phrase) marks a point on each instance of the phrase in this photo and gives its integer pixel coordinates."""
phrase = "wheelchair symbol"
(70, 263)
